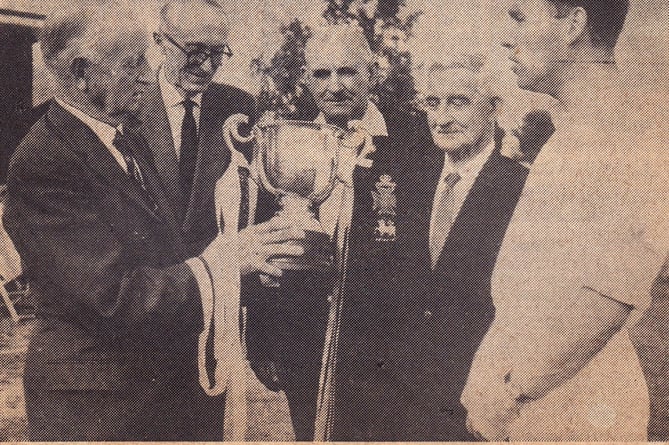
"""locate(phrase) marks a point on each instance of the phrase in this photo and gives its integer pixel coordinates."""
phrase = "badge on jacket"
(385, 203)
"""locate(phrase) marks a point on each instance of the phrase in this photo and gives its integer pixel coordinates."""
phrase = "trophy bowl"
(296, 161)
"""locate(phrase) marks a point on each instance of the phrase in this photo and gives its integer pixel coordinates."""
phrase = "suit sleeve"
(74, 255)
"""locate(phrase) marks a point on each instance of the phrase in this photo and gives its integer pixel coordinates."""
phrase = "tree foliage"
(386, 26)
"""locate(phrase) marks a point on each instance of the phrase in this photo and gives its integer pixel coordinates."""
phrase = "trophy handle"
(231, 129)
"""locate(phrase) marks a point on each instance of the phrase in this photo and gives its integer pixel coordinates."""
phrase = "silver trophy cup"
(296, 161)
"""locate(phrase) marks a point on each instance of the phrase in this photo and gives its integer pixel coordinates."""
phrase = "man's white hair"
(346, 35)
(86, 29)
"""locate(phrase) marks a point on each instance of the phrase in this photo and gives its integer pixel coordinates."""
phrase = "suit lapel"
(156, 130)
(83, 141)
(213, 156)
(492, 195)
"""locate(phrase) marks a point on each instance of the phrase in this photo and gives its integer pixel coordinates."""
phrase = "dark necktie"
(125, 146)
(444, 213)
(188, 149)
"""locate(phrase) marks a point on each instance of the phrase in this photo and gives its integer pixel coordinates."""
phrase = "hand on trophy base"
(318, 250)
(318, 253)
(277, 237)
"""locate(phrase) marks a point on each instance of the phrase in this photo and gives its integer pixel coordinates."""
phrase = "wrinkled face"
(193, 53)
(339, 78)
(117, 80)
(461, 118)
(534, 37)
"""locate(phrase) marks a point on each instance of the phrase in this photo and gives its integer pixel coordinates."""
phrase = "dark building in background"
(18, 32)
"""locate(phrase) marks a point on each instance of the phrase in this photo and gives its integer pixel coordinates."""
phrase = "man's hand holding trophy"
(300, 162)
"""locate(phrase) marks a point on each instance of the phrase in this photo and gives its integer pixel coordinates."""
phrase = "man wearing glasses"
(184, 112)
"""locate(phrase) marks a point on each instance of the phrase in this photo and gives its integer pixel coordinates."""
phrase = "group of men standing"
(494, 308)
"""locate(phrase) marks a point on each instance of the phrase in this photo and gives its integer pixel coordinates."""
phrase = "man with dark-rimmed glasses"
(184, 112)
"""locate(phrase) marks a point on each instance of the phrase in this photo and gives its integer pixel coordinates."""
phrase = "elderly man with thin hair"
(120, 299)
(583, 247)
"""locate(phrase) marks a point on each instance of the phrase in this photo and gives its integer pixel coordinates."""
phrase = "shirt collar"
(171, 95)
(105, 132)
(372, 120)
(470, 167)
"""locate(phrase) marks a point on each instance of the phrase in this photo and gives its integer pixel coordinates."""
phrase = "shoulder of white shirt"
(470, 167)
(372, 120)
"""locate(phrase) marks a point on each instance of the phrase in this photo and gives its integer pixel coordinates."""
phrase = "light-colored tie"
(443, 216)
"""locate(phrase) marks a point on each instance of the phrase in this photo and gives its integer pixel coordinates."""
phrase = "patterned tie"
(125, 145)
(443, 219)
(188, 150)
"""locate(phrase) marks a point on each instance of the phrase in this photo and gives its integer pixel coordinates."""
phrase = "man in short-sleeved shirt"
(583, 247)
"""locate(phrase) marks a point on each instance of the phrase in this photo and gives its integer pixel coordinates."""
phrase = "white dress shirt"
(105, 132)
(174, 108)
(339, 206)
(468, 170)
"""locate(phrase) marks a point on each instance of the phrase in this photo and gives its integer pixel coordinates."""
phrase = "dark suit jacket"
(197, 212)
(119, 311)
(408, 334)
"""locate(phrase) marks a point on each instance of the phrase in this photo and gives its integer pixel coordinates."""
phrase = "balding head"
(96, 50)
(325, 40)
(185, 17)
(192, 26)
(88, 29)
(339, 72)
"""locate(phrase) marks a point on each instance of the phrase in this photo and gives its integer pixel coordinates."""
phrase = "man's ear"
(374, 74)
(577, 25)
(79, 71)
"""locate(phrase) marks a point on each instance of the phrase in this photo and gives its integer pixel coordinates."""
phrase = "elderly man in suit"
(185, 112)
(584, 245)
(475, 195)
(406, 319)
(120, 300)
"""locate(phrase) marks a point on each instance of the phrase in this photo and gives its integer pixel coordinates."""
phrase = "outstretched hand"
(260, 242)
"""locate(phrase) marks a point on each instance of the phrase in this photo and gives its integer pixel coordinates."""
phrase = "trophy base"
(318, 254)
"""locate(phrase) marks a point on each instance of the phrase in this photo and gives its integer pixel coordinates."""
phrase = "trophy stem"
(318, 251)
(298, 208)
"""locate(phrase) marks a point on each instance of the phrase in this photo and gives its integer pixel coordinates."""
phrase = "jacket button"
(427, 314)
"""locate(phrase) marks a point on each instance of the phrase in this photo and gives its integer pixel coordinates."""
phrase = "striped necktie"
(443, 216)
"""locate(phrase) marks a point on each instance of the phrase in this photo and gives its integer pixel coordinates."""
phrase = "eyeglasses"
(198, 54)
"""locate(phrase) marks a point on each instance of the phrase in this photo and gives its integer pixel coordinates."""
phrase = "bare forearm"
(556, 349)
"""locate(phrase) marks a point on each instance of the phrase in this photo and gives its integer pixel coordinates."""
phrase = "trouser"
(155, 411)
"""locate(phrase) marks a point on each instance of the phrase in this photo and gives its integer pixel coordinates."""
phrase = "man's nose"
(334, 83)
(145, 75)
(443, 115)
(208, 65)
(505, 36)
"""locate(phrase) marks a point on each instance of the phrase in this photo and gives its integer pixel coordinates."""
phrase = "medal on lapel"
(385, 203)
